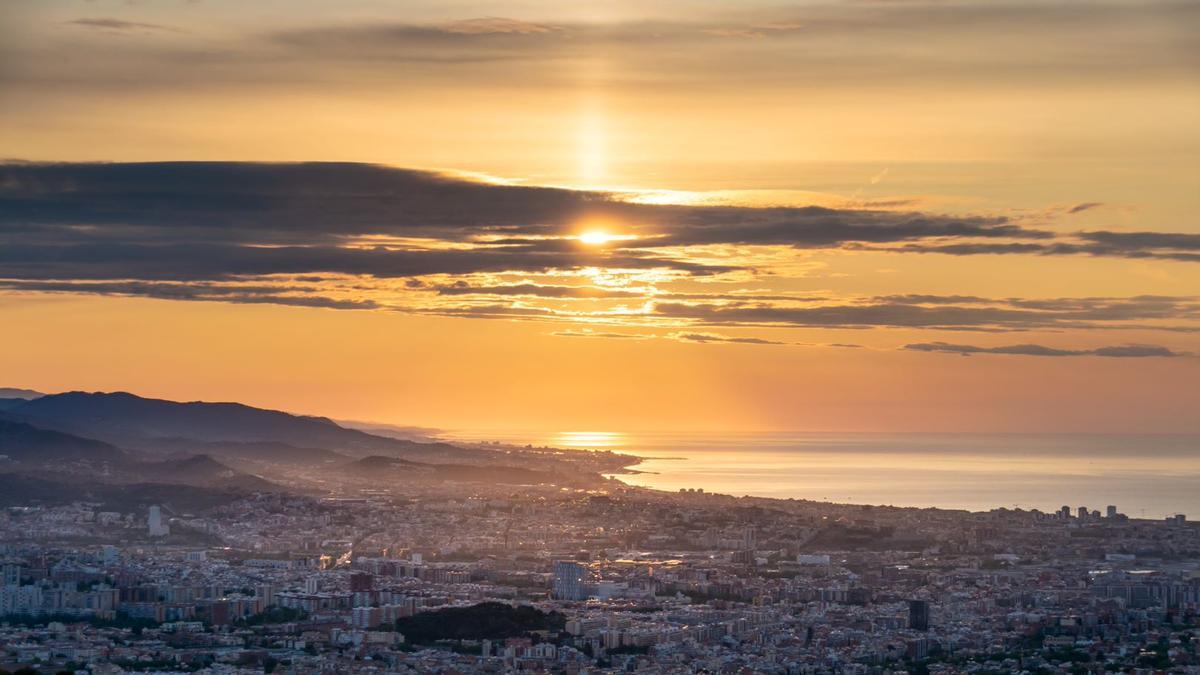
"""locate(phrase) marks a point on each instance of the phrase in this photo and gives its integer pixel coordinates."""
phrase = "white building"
(20, 599)
(156, 525)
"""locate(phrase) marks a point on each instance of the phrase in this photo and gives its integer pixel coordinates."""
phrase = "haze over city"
(641, 216)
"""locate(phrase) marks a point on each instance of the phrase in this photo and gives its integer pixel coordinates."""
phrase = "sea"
(1144, 476)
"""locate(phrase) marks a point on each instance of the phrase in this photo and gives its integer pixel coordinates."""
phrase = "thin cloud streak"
(118, 26)
(1118, 351)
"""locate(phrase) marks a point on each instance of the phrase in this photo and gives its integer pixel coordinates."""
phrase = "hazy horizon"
(1147, 475)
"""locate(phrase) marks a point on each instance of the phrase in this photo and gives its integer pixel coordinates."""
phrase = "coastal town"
(604, 579)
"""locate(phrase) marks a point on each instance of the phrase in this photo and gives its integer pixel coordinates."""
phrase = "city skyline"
(813, 216)
(669, 337)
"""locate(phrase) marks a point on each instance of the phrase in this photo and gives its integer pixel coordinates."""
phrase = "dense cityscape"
(340, 573)
(654, 337)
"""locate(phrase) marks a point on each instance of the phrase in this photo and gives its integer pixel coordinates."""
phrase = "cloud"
(554, 291)
(947, 313)
(808, 45)
(201, 261)
(1178, 314)
(361, 236)
(696, 338)
(792, 47)
(119, 26)
(1099, 244)
(279, 294)
(707, 338)
(493, 25)
(538, 290)
(82, 208)
(322, 202)
(588, 333)
(459, 45)
(1123, 351)
(1086, 206)
(761, 30)
(685, 320)
(1120, 351)
(213, 220)
(1142, 240)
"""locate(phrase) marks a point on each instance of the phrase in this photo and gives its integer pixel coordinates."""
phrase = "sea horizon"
(1144, 475)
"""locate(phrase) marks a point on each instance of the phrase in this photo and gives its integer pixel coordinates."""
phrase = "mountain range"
(94, 439)
(24, 394)
(231, 429)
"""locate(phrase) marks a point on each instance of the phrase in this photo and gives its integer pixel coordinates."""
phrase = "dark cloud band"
(250, 232)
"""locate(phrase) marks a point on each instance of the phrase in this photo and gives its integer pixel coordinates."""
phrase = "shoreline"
(962, 486)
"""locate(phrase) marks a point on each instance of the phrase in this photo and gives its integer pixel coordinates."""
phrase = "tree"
(484, 621)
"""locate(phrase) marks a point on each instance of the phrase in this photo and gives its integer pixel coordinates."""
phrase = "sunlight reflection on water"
(590, 439)
(1143, 475)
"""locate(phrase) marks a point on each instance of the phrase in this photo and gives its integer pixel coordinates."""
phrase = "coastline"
(1147, 476)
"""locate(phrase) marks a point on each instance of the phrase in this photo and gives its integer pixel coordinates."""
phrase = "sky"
(853, 215)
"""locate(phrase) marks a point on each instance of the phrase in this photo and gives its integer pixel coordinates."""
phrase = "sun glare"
(598, 234)
(596, 237)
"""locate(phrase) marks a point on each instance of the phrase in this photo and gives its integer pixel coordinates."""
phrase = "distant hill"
(385, 469)
(376, 463)
(26, 394)
(270, 452)
(119, 437)
(27, 444)
(124, 414)
(151, 424)
(24, 490)
(30, 450)
(202, 471)
(11, 398)
(404, 433)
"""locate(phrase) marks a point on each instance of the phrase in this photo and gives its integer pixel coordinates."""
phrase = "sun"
(596, 237)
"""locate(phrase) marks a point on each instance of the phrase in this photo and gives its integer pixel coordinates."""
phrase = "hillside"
(270, 452)
(388, 469)
(201, 471)
(23, 490)
(28, 450)
(152, 424)
(121, 437)
(27, 444)
(25, 394)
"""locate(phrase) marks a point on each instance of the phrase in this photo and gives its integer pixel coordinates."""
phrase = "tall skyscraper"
(11, 574)
(918, 614)
(570, 581)
(1111, 512)
(156, 525)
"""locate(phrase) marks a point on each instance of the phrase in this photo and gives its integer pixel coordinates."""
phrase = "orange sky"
(1013, 181)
